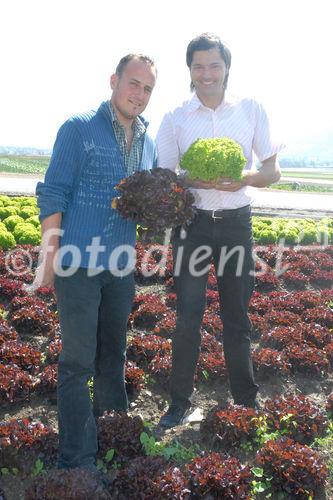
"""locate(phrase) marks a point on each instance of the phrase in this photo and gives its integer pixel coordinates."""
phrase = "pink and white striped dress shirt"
(243, 120)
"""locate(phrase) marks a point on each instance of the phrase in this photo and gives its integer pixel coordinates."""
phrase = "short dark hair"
(140, 57)
(207, 41)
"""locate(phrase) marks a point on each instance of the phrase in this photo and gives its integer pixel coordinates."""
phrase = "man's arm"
(50, 244)
(266, 175)
(264, 144)
(167, 146)
(53, 196)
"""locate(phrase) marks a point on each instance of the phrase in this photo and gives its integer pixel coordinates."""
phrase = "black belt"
(221, 214)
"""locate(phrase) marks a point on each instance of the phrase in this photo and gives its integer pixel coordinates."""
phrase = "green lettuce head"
(209, 159)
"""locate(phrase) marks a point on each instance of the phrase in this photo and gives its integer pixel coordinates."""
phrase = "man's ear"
(225, 81)
(113, 81)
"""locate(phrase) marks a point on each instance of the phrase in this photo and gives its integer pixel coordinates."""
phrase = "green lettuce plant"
(11, 221)
(26, 234)
(34, 220)
(209, 159)
(8, 211)
(7, 240)
(28, 211)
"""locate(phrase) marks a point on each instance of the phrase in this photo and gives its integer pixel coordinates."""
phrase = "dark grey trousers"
(93, 314)
(235, 289)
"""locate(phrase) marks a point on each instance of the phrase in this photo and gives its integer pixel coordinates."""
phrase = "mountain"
(316, 150)
(312, 151)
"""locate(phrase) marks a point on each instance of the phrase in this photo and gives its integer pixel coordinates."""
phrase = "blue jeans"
(234, 294)
(93, 314)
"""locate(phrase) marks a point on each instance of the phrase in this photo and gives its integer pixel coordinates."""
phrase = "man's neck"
(212, 102)
(127, 123)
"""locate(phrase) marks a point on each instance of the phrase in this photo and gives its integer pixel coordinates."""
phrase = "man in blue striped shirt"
(91, 246)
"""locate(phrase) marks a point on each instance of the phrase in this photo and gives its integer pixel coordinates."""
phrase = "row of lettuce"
(292, 231)
(19, 224)
(19, 221)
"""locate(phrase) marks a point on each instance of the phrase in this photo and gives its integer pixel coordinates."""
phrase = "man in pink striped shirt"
(222, 229)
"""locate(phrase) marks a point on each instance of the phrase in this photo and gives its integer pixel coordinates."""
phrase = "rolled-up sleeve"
(167, 147)
(265, 142)
(55, 192)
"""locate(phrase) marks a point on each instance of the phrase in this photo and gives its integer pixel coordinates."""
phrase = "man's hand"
(228, 184)
(197, 184)
(45, 272)
(44, 276)
(221, 184)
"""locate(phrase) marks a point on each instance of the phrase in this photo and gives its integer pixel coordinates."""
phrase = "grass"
(24, 164)
(38, 164)
(325, 445)
(309, 188)
(328, 176)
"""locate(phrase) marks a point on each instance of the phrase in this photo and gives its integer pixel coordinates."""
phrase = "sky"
(57, 58)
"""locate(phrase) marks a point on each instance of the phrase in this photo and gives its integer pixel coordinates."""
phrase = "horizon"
(290, 146)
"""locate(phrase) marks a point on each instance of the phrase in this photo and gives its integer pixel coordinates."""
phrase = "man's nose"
(207, 74)
(140, 92)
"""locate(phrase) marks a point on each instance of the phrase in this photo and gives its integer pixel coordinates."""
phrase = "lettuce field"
(24, 164)
(282, 451)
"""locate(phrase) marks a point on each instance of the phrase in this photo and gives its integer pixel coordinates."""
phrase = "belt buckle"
(214, 216)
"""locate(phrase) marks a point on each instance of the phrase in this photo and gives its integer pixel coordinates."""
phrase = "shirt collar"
(194, 104)
(139, 124)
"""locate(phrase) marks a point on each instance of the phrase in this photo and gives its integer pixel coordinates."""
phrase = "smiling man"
(92, 153)
(132, 88)
(222, 224)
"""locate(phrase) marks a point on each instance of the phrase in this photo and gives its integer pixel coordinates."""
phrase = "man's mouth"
(135, 103)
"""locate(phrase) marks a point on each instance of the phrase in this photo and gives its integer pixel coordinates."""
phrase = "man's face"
(132, 90)
(208, 72)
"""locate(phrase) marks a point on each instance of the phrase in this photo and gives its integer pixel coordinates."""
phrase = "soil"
(152, 401)
(150, 405)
